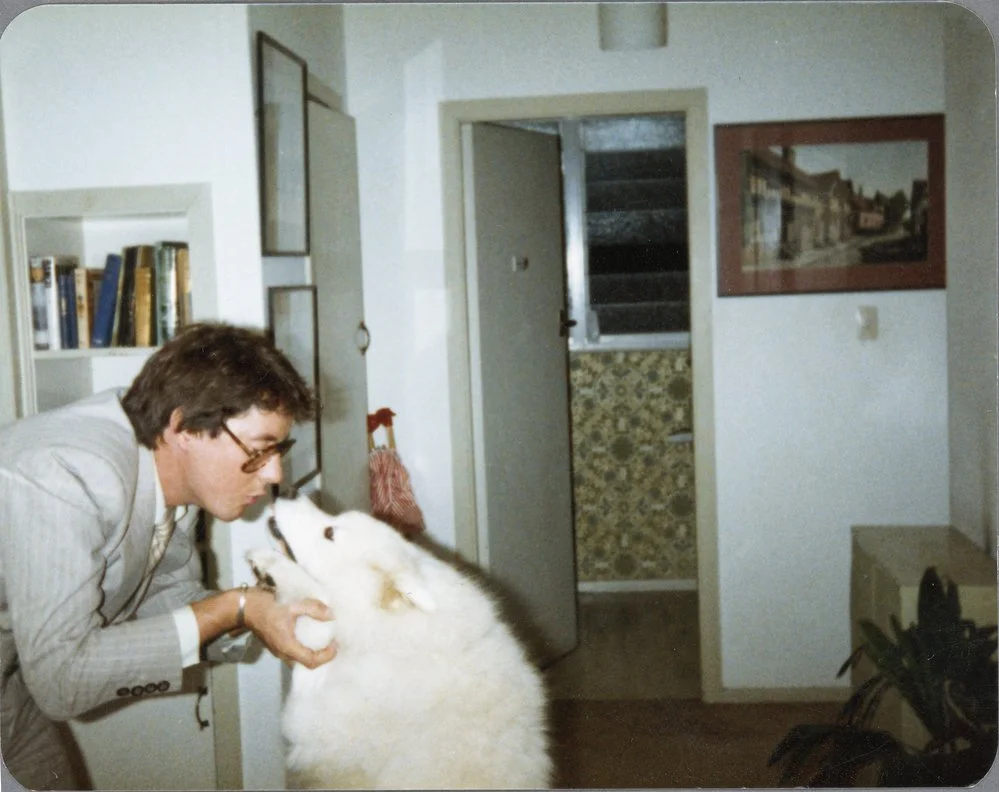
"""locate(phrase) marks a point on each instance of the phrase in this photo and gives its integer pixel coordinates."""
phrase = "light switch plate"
(867, 322)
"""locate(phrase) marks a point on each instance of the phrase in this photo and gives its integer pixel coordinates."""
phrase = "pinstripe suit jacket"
(78, 618)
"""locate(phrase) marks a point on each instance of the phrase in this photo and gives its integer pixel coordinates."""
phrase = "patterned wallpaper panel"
(633, 489)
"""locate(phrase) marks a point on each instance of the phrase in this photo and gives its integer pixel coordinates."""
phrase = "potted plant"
(945, 668)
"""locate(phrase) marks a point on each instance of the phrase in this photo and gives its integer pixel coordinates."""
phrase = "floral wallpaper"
(633, 489)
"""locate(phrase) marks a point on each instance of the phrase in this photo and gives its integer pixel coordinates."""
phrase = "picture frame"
(282, 134)
(831, 206)
(294, 329)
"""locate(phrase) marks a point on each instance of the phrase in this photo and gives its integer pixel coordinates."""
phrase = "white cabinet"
(89, 223)
(888, 562)
(120, 753)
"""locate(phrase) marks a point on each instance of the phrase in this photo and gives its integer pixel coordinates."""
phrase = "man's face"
(215, 474)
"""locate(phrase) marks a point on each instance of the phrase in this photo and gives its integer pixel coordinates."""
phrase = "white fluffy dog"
(429, 688)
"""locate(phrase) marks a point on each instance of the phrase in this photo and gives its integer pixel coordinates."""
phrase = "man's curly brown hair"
(213, 371)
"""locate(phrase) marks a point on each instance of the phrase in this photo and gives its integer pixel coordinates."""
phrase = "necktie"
(161, 535)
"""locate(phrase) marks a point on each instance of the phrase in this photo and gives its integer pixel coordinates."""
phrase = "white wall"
(313, 32)
(148, 95)
(100, 96)
(815, 430)
(141, 95)
(8, 360)
(972, 295)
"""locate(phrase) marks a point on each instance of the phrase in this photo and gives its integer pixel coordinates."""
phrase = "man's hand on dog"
(274, 624)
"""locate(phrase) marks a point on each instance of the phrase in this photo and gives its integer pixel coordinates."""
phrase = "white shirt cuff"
(190, 636)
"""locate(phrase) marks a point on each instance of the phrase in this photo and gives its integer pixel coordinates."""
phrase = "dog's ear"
(406, 589)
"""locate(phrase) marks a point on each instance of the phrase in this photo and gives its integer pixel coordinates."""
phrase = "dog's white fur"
(429, 688)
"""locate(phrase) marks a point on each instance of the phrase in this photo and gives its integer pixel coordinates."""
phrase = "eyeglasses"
(258, 457)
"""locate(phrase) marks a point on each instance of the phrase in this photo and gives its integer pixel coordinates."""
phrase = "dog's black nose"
(290, 494)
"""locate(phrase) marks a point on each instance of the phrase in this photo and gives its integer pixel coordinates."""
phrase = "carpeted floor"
(640, 645)
(671, 743)
(626, 711)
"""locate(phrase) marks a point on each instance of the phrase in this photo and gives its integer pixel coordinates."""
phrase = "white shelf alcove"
(89, 223)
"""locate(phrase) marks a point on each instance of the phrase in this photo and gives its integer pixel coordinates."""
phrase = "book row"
(139, 299)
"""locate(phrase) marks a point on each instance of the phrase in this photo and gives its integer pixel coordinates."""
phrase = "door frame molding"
(694, 104)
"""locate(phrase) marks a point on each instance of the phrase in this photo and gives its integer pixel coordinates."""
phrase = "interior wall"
(113, 95)
(109, 106)
(105, 108)
(313, 32)
(973, 307)
(8, 360)
(815, 430)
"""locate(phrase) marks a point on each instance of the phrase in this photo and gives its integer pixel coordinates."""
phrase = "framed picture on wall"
(293, 327)
(831, 206)
(282, 119)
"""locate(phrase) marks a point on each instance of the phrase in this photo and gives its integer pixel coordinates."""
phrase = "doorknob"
(564, 323)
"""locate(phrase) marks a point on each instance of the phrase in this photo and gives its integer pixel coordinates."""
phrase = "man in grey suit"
(100, 585)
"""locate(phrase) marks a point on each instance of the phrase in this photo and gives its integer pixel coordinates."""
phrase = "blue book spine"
(72, 339)
(107, 300)
(62, 290)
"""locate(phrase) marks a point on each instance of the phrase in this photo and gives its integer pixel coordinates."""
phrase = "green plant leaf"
(854, 710)
(945, 668)
(930, 598)
(867, 716)
(886, 655)
(853, 750)
(851, 661)
(798, 746)
(939, 603)
(920, 687)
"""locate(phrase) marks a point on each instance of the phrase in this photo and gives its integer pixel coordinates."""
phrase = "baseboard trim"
(789, 695)
(622, 586)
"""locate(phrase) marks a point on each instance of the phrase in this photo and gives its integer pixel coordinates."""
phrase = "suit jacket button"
(151, 687)
(163, 686)
(137, 690)
(122, 691)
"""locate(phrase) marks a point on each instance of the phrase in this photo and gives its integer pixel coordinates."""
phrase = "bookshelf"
(89, 223)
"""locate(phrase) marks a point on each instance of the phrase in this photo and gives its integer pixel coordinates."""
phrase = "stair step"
(663, 317)
(639, 288)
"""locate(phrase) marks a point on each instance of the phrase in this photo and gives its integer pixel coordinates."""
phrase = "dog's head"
(354, 553)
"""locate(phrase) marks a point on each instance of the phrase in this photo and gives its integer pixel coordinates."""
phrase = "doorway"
(693, 105)
(624, 188)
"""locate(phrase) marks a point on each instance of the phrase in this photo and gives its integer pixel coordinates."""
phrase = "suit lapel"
(138, 537)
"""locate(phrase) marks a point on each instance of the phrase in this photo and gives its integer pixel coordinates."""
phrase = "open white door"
(519, 371)
(336, 268)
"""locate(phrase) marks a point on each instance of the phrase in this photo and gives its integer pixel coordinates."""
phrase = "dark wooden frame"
(756, 169)
(282, 99)
(289, 338)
